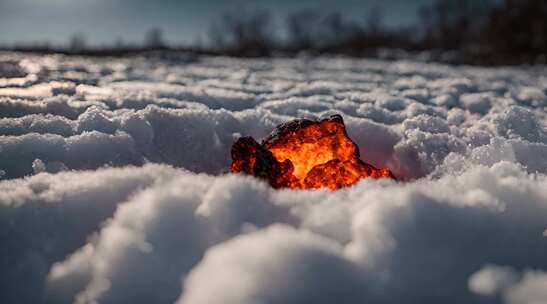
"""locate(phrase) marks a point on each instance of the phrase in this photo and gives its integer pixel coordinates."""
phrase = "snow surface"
(114, 184)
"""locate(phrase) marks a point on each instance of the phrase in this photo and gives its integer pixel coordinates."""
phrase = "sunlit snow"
(115, 187)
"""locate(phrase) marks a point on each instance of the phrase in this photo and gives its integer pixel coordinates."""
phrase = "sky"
(182, 21)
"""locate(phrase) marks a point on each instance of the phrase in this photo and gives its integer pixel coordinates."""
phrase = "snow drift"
(115, 184)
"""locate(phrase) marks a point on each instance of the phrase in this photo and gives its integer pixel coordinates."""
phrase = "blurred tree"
(244, 33)
(77, 42)
(519, 27)
(320, 31)
(299, 27)
(375, 19)
(488, 31)
(154, 39)
(119, 43)
(482, 32)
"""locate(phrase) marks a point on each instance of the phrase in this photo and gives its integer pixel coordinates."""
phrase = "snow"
(527, 287)
(115, 186)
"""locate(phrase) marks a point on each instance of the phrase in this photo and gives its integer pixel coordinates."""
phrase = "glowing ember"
(304, 154)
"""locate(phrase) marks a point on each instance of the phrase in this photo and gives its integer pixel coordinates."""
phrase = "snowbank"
(155, 217)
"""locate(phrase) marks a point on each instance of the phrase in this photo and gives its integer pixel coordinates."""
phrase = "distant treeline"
(460, 31)
(484, 32)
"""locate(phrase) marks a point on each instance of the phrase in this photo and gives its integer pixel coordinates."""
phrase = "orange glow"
(305, 154)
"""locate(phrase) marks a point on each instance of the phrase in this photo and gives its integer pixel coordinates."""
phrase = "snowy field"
(115, 187)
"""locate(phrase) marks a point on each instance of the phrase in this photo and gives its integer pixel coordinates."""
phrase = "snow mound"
(115, 186)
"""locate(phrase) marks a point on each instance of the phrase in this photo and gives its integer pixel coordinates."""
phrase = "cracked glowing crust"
(305, 154)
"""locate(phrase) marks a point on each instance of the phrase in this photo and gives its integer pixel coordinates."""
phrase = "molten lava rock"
(304, 154)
